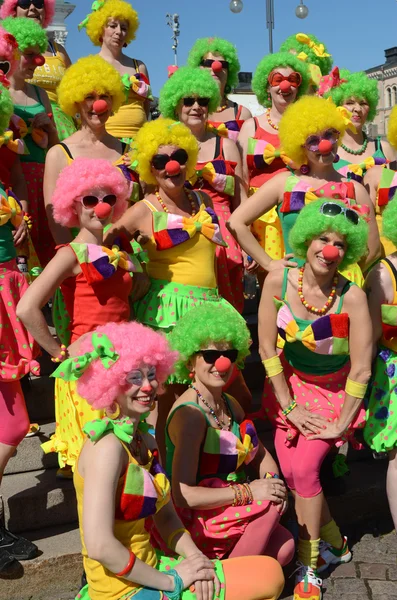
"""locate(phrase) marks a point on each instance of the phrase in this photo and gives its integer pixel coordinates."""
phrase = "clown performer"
(314, 391)
(189, 96)
(112, 25)
(36, 126)
(310, 50)
(358, 94)
(279, 80)
(120, 485)
(48, 75)
(381, 288)
(210, 482)
(17, 349)
(310, 132)
(95, 283)
(180, 232)
(220, 58)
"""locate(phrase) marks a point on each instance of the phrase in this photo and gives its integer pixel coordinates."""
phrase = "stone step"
(37, 499)
(29, 456)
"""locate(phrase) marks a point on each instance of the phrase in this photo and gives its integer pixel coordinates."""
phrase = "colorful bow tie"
(220, 129)
(39, 136)
(119, 258)
(7, 139)
(318, 49)
(138, 83)
(219, 174)
(360, 168)
(94, 7)
(249, 441)
(171, 230)
(99, 263)
(10, 210)
(270, 153)
(123, 429)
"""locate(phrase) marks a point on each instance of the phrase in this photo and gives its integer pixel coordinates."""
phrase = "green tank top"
(378, 155)
(36, 154)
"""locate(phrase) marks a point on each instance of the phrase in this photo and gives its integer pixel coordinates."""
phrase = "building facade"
(58, 28)
(386, 76)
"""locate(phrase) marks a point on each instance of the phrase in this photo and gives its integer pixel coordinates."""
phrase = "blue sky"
(356, 32)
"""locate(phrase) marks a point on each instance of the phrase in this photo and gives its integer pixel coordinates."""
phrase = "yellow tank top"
(128, 120)
(104, 585)
(70, 158)
(189, 263)
(50, 74)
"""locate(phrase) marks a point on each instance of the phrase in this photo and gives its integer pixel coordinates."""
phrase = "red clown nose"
(217, 66)
(222, 364)
(330, 252)
(102, 210)
(39, 61)
(325, 147)
(285, 86)
(100, 106)
(173, 167)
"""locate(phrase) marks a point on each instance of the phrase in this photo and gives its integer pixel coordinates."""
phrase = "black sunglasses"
(200, 101)
(159, 161)
(25, 4)
(207, 62)
(330, 209)
(93, 201)
(210, 356)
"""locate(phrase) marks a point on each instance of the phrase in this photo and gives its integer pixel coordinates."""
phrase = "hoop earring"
(305, 169)
(116, 411)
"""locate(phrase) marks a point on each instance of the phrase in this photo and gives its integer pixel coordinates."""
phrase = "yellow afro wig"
(111, 9)
(162, 132)
(307, 116)
(88, 75)
(392, 128)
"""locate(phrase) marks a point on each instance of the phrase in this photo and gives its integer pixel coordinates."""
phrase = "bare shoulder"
(274, 281)
(236, 408)
(185, 411)
(354, 297)
(248, 127)
(245, 114)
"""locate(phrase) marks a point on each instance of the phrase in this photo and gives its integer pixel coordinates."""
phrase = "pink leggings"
(264, 535)
(301, 462)
(14, 419)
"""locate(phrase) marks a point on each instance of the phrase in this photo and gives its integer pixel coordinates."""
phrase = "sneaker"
(34, 429)
(6, 560)
(307, 584)
(332, 556)
(17, 547)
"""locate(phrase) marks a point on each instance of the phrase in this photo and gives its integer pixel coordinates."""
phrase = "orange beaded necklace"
(309, 307)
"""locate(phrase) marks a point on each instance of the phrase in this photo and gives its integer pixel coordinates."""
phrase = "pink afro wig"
(9, 9)
(136, 345)
(87, 176)
(8, 51)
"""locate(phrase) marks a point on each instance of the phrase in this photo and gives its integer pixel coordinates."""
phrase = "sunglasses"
(159, 161)
(203, 102)
(93, 201)
(211, 356)
(313, 141)
(295, 79)
(25, 4)
(207, 62)
(330, 209)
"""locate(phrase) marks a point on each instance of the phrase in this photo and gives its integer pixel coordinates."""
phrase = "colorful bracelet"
(175, 533)
(61, 356)
(128, 566)
(271, 475)
(178, 589)
(355, 389)
(272, 366)
(28, 220)
(289, 408)
(249, 495)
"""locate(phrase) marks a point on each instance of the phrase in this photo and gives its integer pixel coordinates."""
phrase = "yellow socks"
(308, 552)
(330, 533)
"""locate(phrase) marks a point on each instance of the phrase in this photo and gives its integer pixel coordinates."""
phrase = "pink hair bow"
(328, 82)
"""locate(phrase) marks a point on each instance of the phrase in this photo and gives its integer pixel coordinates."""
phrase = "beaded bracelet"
(128, 566)
(178, 589)
(249, 496)
(61, 356)
(289, 408)
(28, 220)
(271, 475)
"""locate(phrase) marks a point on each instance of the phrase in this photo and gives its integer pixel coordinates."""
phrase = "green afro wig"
(6, 108)
(162, 132)
(204, 325)
(389, 220)
(307, 116)
(271, 62)
(184, 83)
(111, 9)
(392, 128)
(215, 46)
(301, 42)
(27, 33)
(311, 223)
(357, 85)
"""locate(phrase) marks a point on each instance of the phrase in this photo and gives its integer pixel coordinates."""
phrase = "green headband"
(97, 5)
(73, 368)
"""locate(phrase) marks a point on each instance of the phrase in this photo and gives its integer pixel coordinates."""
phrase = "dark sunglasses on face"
(295, 79)
(207, 62)
(330, 209)
(159, 161)
(25, 4)
(192, 101)
(93, 201)
(211, 356)
(313, 141)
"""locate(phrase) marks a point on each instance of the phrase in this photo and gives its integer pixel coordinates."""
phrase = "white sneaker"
(332, 556)
(307, 584)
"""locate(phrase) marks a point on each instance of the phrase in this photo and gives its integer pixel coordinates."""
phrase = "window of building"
(388, 98)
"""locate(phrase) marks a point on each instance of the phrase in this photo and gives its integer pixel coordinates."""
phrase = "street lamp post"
(173, 22)
(270, 22)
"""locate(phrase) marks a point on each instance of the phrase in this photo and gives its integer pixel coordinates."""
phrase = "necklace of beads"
(359, 150)
(220, 423)
(274, 125)
(221, 108)
(165, 209)
(309, 307)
